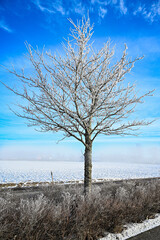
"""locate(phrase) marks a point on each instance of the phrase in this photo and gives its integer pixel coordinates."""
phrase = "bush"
(63, 213)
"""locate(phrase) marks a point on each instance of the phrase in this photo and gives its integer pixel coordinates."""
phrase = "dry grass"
(63, 213)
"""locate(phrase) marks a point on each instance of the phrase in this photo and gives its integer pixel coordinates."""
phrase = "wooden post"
(52, 176)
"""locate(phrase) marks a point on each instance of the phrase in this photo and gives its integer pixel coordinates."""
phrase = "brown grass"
(63, 213)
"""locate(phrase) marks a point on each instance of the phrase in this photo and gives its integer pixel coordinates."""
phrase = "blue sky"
(40, 23)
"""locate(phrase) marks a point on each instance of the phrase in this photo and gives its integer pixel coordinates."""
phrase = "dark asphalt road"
(153, 234)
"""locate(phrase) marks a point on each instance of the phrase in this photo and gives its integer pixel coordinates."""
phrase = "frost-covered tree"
(83, 93)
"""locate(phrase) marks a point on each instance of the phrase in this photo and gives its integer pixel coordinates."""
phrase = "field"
(32, 204)
(24, 171)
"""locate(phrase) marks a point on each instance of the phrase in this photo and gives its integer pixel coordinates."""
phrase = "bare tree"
(84, 93)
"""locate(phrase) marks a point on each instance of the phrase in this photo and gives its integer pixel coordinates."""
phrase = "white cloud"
(49, 6)
(138, 10)
(60, 9)
(42, 8)
(104, 2)
(102, 12)
(79, 8)
(101, 7)
(123, 8)
(58, 6)
(151, 14)
(154, 12)
(118, 4)
(99, 2)
(4, 26)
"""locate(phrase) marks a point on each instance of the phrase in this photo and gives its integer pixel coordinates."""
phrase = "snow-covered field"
(21, 171)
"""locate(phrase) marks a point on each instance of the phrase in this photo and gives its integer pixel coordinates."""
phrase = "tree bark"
(88, 165)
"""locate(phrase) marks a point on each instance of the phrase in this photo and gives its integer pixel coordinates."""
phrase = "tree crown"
(83, 93)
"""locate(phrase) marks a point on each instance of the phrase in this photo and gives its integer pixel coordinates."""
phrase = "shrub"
(63, 213)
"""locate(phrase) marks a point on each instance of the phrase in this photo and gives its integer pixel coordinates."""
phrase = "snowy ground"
(22, 171)
(16, 171)
(134, 229)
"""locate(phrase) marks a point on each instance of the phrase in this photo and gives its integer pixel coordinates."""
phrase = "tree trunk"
(88, 165)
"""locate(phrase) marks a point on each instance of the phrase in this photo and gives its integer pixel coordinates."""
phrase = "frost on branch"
(83, 92)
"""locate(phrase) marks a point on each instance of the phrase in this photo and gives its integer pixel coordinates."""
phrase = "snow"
(36, 171)
(134, 229)
(22, 171)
